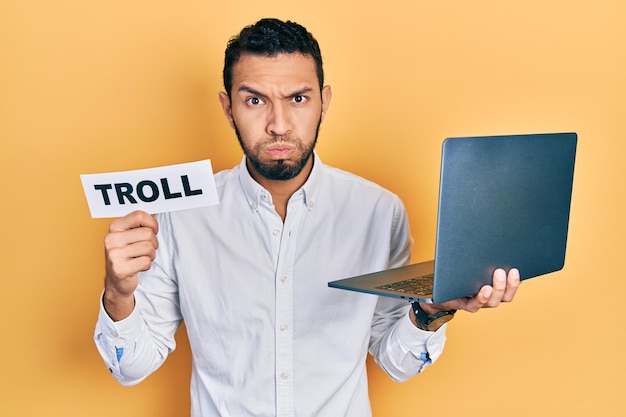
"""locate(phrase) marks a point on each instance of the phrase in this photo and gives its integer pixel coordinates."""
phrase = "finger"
(513, 282)
(499, 287)
(127, 237)
(475, 303)
(128, 261)
(118, 271)
(134, 220)
(132, 250)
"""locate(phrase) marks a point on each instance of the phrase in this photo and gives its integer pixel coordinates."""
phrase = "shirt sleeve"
(398, 347)
(136, 346)
(128, 347)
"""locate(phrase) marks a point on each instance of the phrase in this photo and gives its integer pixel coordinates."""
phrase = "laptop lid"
(504, 201)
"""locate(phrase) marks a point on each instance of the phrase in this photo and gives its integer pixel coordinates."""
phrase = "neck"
(282, 190)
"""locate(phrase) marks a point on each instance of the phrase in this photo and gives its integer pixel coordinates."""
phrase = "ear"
(327, 94)
(227, 108)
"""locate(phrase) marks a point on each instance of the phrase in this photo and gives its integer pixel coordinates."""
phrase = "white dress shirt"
(267, 334)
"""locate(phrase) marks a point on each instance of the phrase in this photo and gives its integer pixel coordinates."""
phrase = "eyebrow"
(247, 89)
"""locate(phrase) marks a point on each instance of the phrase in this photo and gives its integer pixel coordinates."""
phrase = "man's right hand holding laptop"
(430, 317)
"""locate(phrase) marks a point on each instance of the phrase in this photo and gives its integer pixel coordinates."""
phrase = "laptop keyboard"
(419, 286)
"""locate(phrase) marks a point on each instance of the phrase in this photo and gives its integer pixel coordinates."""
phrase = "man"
(249, 277)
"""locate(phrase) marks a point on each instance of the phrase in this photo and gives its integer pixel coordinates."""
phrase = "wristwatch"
(427, 321)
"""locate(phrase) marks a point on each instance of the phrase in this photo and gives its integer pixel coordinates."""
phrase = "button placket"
(284, 310)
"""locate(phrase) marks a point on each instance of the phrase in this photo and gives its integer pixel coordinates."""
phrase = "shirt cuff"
(422, 343)
(122, 333)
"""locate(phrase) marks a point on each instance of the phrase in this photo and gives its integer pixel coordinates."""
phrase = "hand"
(129, 247)
(502, 291)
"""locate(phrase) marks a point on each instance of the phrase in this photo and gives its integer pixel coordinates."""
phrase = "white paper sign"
(154, 190)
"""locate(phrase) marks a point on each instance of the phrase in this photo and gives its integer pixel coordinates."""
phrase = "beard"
(280, 169)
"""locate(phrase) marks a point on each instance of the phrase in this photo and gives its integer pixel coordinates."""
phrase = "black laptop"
(504, 202)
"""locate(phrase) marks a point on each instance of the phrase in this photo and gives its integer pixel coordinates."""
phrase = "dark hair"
(269, 37)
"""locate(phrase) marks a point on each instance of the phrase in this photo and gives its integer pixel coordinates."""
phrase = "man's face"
(276, 108)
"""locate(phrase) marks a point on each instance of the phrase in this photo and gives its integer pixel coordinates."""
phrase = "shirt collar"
(257, 195)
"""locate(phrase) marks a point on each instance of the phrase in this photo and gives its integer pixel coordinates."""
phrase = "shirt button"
(311, 204)
(114, 333)
(283, 327)
(283, 279)
(284, 376)
(276, 232)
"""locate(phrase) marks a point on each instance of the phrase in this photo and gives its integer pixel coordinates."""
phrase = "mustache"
(281, 139)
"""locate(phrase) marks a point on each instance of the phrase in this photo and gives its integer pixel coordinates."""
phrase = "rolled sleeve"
(116, 339)
(407, 350)
(422, 342)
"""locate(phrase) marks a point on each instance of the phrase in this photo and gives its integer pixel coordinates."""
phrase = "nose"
(279, 120)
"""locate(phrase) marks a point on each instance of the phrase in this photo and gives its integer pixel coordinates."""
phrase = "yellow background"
(96, 86)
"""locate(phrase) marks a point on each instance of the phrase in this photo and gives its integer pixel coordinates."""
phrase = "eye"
(254, 101)
(299, 99)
